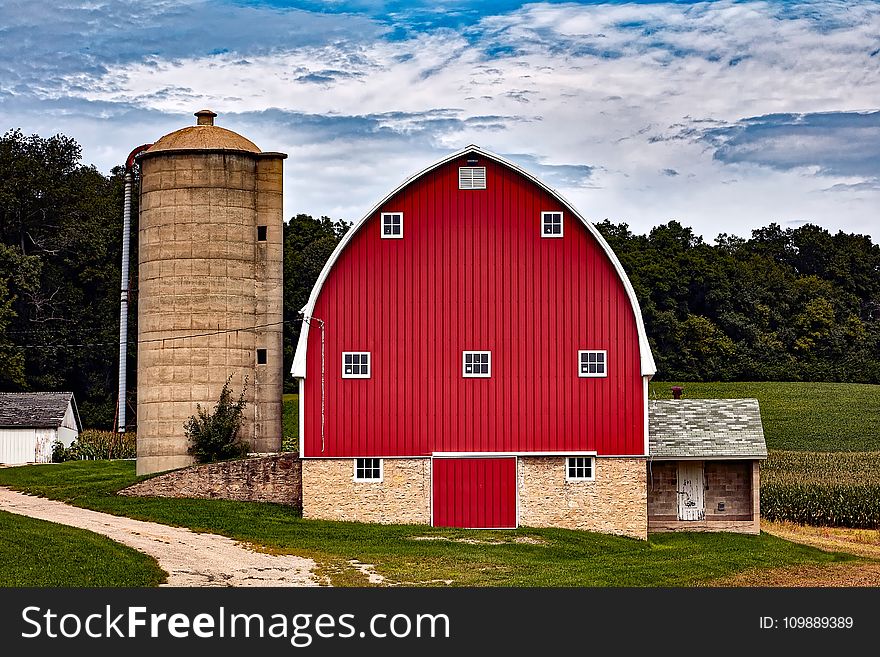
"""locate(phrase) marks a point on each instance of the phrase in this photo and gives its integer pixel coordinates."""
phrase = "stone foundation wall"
(614, 503)
(402, 497)
(276, 478)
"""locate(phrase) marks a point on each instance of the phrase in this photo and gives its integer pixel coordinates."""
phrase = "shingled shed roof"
(706, 428)
(39, 410)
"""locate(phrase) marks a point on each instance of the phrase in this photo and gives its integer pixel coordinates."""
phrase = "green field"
(38, 553)
(425, 556)
(813, 417)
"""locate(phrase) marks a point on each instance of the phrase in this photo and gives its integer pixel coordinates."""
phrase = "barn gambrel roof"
(705, 429)
(648, 368)
(35, 410)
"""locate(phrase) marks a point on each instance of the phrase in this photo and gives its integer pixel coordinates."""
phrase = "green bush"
(214, 436)
(93, 445)
(60, 453)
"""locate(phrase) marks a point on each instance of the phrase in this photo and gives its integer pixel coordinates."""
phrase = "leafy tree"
(214, 436)
(60, 225)
(11, 357)
(308, 243)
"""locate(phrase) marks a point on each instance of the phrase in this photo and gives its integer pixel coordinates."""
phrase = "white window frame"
(382, 226)
(471, 375)
(594, 375)
(370, 480)
(592, 476)
(462, 177)
(369, 364)
(545, 216)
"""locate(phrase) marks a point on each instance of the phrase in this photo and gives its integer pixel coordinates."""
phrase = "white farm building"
(31, 422)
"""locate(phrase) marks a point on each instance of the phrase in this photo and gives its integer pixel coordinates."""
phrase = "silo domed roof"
(204, 136)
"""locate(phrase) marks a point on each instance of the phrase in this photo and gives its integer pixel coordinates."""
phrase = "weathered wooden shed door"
(691, 504)
(477, 493)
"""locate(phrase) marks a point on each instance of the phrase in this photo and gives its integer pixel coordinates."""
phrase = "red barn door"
(478, 493)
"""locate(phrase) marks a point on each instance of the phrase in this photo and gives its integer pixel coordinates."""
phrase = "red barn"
(473, 355)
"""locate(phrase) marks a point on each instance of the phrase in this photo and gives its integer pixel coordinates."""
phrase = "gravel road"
(189, 558)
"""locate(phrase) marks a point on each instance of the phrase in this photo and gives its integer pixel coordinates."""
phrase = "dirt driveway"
(190, 559)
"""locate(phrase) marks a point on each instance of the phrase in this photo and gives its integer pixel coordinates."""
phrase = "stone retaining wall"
(276, 478)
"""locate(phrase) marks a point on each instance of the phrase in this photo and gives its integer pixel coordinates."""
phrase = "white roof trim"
(648, 368)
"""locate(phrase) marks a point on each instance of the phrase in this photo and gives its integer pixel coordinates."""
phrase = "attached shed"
(703, 473)
(31, 422)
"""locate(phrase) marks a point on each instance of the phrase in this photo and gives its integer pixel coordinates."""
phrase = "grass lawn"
(817, 417)
(39, 553)
(420, 555)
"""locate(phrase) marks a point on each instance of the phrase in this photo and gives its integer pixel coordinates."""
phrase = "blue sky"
(723, 115)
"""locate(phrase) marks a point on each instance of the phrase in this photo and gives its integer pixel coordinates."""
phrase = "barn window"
(368, 469)
(262, 232)
(476, 364)
(355, 364)
(472, 178)
(392, 225)
(261, 357)
(579, 468)
(592, 363)
(551, 224)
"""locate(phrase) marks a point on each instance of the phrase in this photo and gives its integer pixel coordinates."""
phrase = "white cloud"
(627, 89)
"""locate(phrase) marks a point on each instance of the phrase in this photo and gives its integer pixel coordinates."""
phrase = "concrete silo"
(210, 288)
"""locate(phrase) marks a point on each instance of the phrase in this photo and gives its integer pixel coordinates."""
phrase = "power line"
(57, 346)
(151, 340)
(217, 332)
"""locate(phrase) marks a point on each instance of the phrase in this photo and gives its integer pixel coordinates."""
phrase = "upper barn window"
(476, 364)
(592, 363)
(355, 364)
(392, 225)
(551, 224)
(472, 178)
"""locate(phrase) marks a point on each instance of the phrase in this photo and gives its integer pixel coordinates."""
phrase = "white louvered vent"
(472, 178)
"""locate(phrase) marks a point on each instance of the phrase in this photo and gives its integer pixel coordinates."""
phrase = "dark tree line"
(788, 305)
(795, 304)
(60, 250)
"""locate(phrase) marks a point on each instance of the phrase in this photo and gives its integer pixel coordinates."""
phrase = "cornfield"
(840, 489)
(92, 445)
